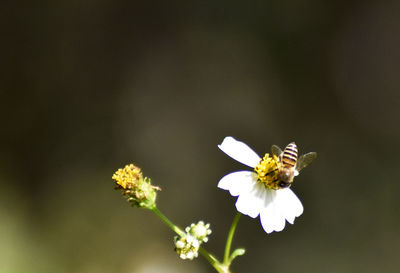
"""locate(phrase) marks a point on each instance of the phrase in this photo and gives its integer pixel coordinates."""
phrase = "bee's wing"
(275, 150)
(304, 160)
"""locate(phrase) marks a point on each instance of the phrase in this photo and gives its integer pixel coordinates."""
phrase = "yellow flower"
(128, 176)
(135, 187)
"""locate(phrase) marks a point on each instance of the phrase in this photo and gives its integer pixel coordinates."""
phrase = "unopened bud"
(187, 245)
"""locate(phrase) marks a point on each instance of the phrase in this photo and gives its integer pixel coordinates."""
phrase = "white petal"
(280, 205)
(239, 151)
(237, 182)
(271, 215)
(291, 205)
(250, 203)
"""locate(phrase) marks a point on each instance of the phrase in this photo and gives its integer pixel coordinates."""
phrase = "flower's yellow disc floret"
(135, 187)
(268, 170)
(127, 177)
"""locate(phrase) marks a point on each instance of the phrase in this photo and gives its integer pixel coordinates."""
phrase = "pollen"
(137, 189)
(267, 171)
(127, 177)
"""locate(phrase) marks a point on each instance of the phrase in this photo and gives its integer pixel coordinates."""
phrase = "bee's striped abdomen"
(289, 155)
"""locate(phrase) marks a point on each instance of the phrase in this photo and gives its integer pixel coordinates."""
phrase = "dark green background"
(89, 86)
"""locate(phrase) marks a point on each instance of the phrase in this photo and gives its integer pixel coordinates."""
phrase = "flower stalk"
(171, 225)
(214, 262)
(221, 267)
(227, 255)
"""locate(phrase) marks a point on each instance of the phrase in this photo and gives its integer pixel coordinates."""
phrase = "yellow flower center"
(267, 171)
(127, 177)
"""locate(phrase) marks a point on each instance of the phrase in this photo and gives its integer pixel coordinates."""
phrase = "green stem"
(210, 258)
(229, 239)
(175, 228)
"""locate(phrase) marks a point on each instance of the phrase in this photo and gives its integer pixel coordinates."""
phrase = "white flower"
(255, 195)
(200, 231)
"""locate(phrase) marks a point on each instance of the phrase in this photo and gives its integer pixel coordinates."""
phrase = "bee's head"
(286, 175)
(283, 184)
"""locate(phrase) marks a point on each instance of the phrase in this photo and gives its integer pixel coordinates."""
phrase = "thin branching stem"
(218, 266)
(229, 239)
(174, 227)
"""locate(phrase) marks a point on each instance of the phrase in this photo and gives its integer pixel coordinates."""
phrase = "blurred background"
(89, 86)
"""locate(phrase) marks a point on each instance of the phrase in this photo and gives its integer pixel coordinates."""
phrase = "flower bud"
(199, 231)
(187, 245)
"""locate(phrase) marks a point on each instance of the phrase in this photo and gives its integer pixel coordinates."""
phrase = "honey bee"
(290, 165)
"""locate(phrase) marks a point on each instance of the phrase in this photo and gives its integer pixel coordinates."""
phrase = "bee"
(290, 165)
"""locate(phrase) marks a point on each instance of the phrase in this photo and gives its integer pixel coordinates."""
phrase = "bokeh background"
(89, 86)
